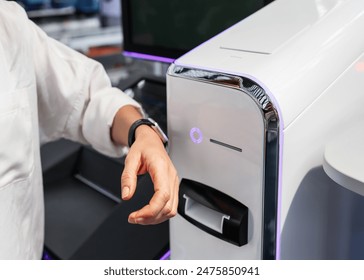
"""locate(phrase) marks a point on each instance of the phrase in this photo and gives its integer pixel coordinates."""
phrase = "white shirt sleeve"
(75, 97)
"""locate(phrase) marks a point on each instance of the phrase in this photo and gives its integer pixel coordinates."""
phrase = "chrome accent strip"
(271, 149)
(241, 83)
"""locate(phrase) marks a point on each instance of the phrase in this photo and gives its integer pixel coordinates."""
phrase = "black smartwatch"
(153, 124)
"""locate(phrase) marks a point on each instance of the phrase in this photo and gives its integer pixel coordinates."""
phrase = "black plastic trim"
(235, 229)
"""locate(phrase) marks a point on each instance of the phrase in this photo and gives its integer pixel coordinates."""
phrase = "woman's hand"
(147, 154)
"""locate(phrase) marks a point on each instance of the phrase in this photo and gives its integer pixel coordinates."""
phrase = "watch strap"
(150, 122)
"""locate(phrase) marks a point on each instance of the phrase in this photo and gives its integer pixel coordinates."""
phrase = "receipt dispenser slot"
(214, 212)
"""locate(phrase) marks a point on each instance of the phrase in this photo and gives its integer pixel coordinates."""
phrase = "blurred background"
(94, 28)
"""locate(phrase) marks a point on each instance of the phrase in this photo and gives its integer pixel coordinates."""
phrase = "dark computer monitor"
(166, 29)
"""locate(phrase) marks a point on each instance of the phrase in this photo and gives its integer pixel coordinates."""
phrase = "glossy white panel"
(232, 117)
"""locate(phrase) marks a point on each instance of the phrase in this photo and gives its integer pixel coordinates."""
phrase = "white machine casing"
(249, 114)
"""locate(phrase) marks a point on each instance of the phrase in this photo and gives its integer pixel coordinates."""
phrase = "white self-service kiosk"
(249, 114)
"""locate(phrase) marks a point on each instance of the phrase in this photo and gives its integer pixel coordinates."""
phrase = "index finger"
(129, 175)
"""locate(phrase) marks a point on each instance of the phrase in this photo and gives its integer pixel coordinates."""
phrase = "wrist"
(142, 126)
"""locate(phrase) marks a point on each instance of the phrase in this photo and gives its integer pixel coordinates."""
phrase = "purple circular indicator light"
(196, 135)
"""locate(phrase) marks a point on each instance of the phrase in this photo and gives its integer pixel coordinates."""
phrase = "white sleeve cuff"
(99, 117)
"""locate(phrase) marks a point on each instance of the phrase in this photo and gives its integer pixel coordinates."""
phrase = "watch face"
(160, 132)
(153, 122)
